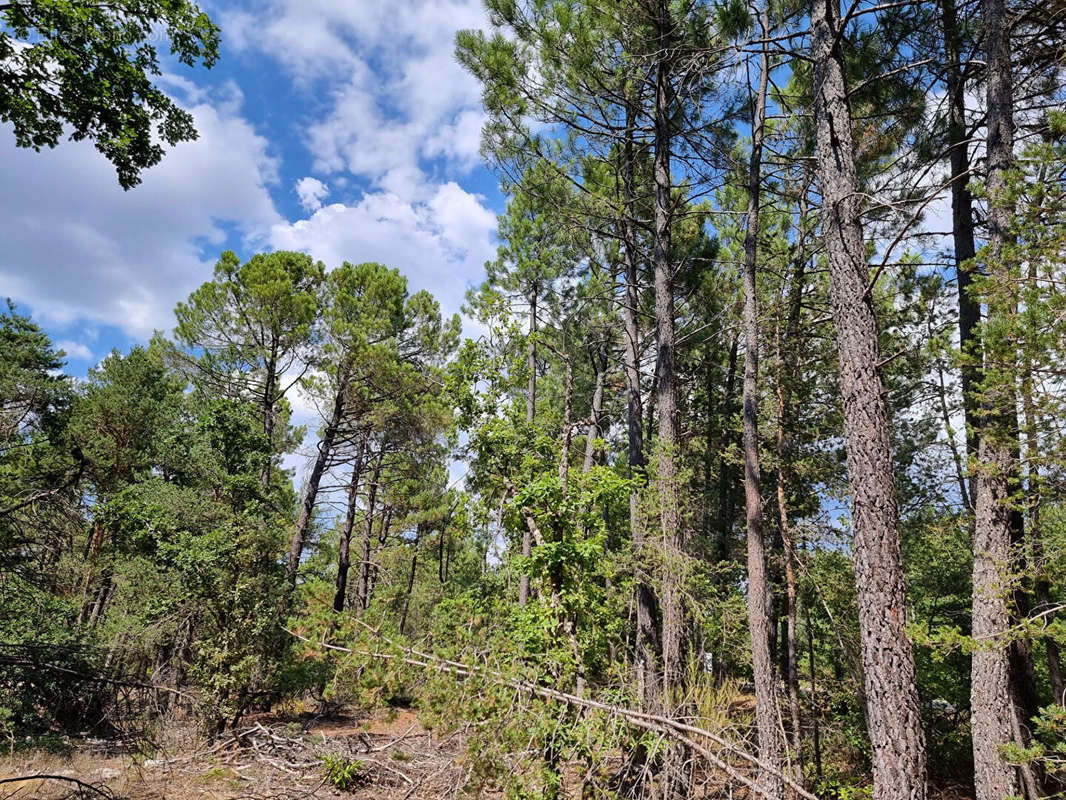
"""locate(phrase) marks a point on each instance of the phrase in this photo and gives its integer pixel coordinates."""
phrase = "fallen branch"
(679, 731)
(82, 785)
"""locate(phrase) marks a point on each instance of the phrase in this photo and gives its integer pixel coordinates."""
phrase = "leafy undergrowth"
(386, 754)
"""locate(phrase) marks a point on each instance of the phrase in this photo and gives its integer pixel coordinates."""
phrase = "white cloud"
(459, 140)
(395, 113)
(75, 350)
(440, 244)
(311, 192)
(78, 248)
(397, 95)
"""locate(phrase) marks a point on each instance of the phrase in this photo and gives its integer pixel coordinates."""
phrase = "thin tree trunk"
(103, 594)
(363, 588)
(599, 364)
(992, 711)
(758, 588)
(531, 411)
(784, 454)
(666, 385)
(267, 403)
(962, 229)
(949, 429)
(892, 714)
(815, 709)
(725, 469)
(307, 510)
(344, 548)
(712, 440)
(411, 579)
(569, 623)
(647, 638)
(568, 427)
(1042, 583)
(383, 536)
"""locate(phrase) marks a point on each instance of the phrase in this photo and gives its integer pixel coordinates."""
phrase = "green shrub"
(341, 772)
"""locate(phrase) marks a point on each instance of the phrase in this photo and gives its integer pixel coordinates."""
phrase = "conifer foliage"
(751, 477)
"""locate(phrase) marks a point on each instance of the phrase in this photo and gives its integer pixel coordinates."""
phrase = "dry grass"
(268, 759)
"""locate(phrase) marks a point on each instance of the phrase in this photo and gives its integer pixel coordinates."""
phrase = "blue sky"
(346, 130)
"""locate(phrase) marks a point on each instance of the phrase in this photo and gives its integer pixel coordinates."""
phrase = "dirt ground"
(389, 754)
(394, 758)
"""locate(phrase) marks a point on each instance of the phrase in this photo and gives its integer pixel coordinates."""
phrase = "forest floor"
(275, 757)
(267, 758)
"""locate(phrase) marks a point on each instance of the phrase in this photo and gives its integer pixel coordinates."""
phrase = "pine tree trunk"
(892, 714)
(344, 547)
(666, 385)
(990, 697)
(784, 455)
(363, 587)
(1042, 584)
(759, 623)
(322, 458)
(267, 402)
(383, 536)
(992, 711)
(531, 410)
(411, 578)
(647, 645)
(816, 734)
(724, 538)
(599, 364)
(962, 227)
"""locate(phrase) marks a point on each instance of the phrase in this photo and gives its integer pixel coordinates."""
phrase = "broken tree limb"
(679, 731)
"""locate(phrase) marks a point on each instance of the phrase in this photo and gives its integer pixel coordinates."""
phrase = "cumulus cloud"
(78, 249)
(440, 244)
(391, 118)
(396, 94)
(311, 192)
(75, 350)
(396, 114)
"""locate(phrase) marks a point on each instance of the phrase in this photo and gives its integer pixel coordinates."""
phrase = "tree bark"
(962, 228)
(666, 386)
(322, 458)
(815, 709)
(599, 364)
(992, 710)
(647, 638)
(372, 569)
(363, 587)
(892, 715)
(784, 455)
(1034, 501)
(758, 587)
(531, 411)
(344, 547)
(267, 403)
(723, 540)
(411, 578)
